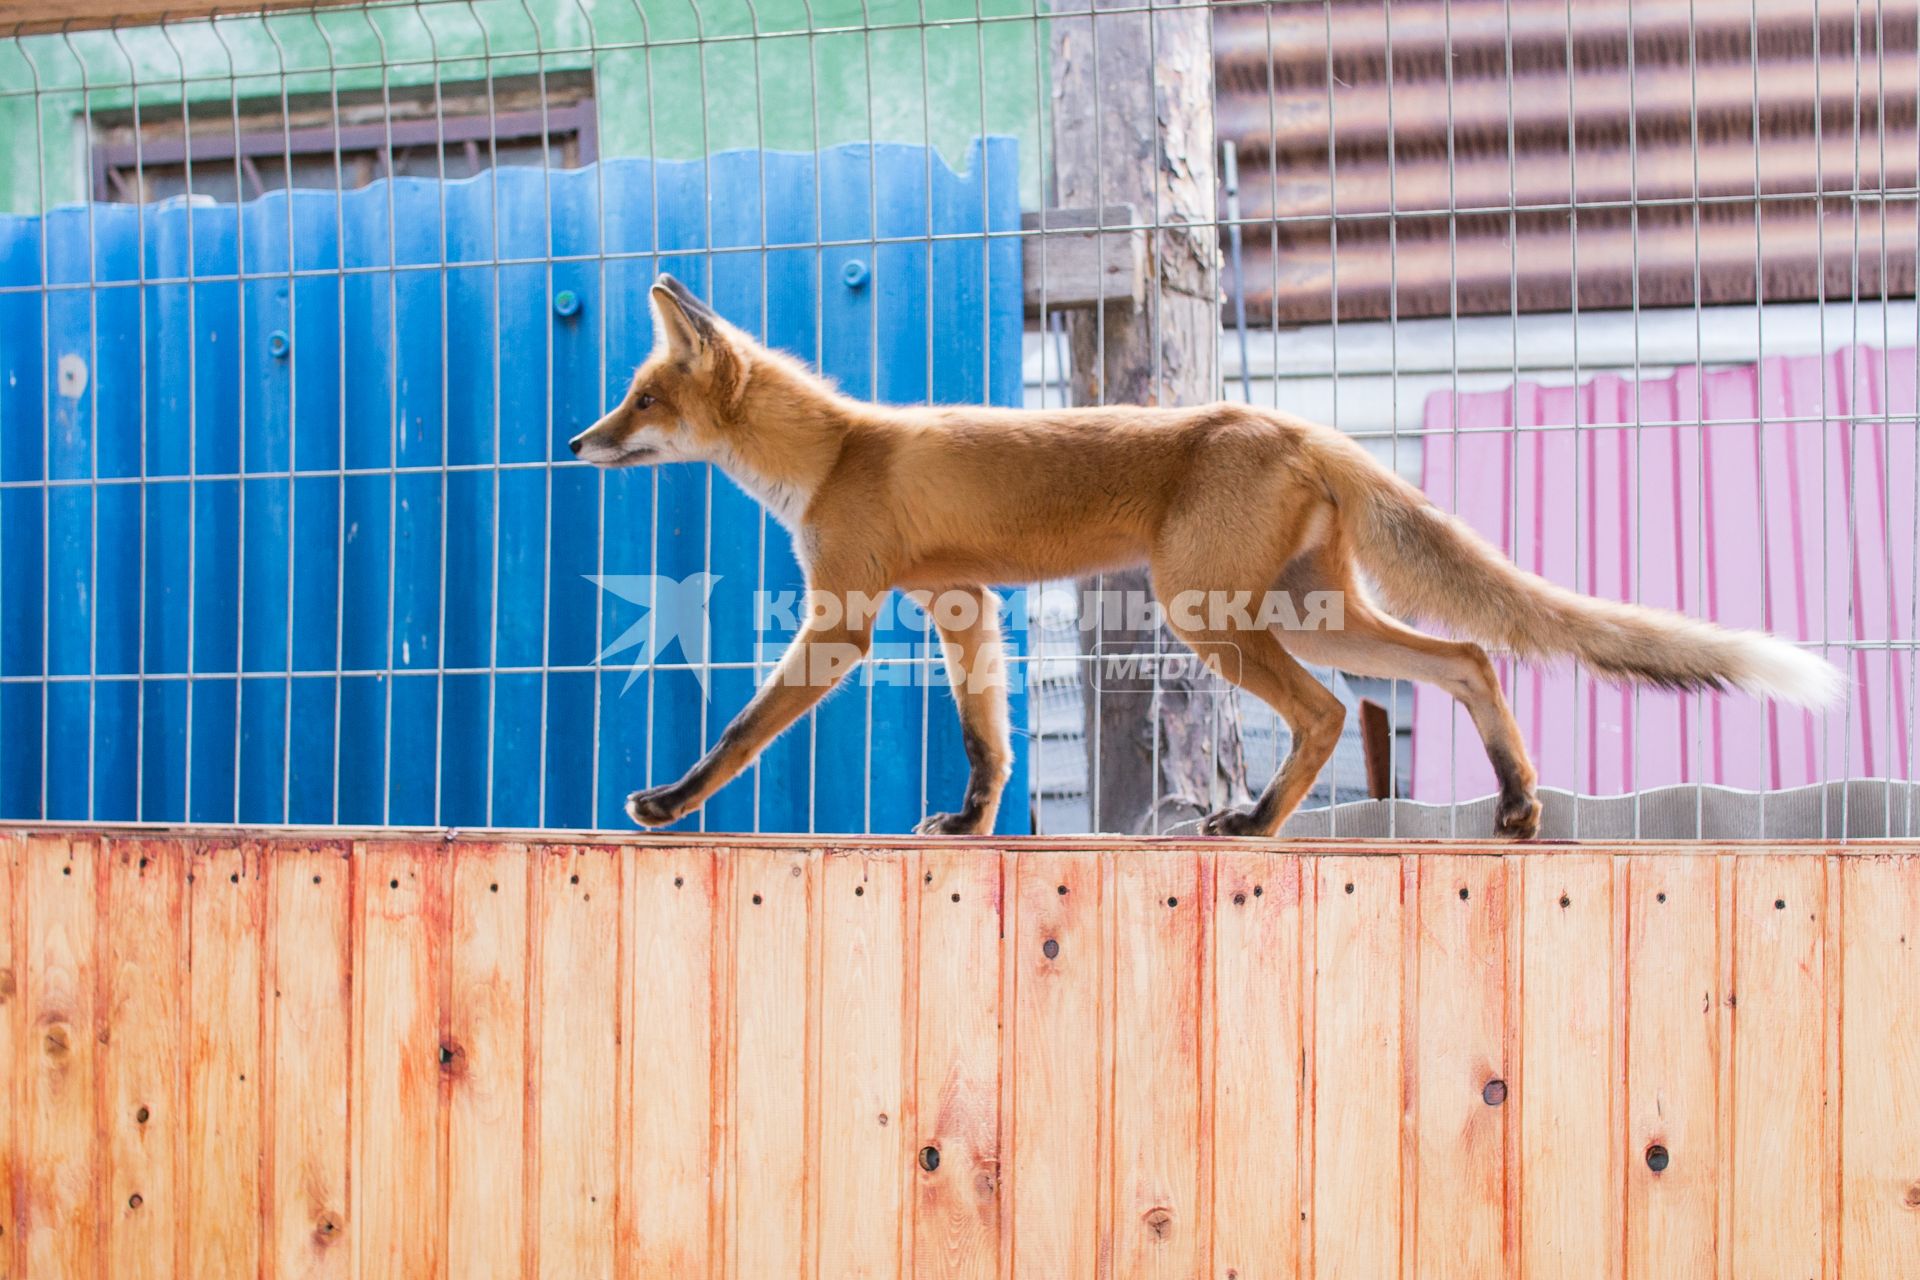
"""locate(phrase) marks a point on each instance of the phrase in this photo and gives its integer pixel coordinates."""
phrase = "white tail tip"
(1775, 669)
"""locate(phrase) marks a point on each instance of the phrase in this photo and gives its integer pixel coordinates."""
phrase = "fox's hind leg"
(1368, 643)
(969, 625)
(1253, 659)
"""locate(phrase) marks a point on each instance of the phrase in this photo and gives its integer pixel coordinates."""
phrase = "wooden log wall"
(294, 1056)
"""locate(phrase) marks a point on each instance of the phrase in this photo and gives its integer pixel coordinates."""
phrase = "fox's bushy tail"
(1430, 565)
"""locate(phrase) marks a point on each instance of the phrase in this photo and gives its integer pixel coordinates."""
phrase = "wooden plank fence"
(238, 1055)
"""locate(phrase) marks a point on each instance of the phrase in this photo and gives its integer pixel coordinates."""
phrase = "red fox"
(1222, 499)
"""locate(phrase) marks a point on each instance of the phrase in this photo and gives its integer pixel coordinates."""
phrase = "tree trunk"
(1133, 125)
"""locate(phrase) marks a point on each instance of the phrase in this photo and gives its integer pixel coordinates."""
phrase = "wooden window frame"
(259, 139)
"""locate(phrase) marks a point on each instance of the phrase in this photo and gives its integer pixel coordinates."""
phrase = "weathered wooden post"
(1133, 135)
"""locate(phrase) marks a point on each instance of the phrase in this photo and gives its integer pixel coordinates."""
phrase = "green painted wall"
(673, 78)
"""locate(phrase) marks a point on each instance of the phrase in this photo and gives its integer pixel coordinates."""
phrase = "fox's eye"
(643, 403)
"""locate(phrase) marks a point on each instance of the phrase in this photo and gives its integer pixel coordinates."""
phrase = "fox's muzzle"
(615, 442)
(601, 442)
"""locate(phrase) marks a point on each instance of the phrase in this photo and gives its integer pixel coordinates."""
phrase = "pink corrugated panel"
(1778, 496)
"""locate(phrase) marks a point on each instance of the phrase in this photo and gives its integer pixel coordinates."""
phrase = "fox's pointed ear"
(681, 319)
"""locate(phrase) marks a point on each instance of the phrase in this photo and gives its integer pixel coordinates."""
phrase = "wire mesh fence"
(298, 311)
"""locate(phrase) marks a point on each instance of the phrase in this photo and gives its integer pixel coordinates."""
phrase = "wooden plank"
(1358, 1081)
(721, 1056)
(864, 1139)
(311, 936)
(1159, 1221)
(669, 912)
(12, 1038)
(1410, 1013)
(143, 1059)
(1054, 1180)
(1568, 1203)
(1515, 866)
(956, 1212)
(226, 926)
(577, 931)
(28, 17)
(889, 1002)
(1725, 893)
(396, 1104)
(1833, 1118)
(1672, 976)
(772, 904)
(1067, 264)
(1410, 1039)
(1306, 1175)
(1257, 1070)
(1777, 1020)
(1376, 747)
(1460, 1085)
(56, 1194)
(1880, 1066)
(487, 1076)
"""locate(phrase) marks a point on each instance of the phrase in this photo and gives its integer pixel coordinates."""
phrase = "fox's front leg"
(820, 656)
(969, 625)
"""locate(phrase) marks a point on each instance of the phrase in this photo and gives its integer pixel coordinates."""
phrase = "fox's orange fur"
(1218, 498)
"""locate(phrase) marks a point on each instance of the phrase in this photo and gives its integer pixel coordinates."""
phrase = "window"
(238, 152)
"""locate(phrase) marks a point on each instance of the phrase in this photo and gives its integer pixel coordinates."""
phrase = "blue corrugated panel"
(22, 399)
(303, 556)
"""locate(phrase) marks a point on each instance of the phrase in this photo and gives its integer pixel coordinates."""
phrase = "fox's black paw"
(1518, 817)
(656, 806)
(947, 824)
(1230, 822)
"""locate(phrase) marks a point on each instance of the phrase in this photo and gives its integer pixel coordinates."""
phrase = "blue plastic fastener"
(566, 303)
(279, 344)
(854, 274)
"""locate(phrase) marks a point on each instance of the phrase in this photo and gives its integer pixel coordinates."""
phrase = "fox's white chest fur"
(787, 501)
